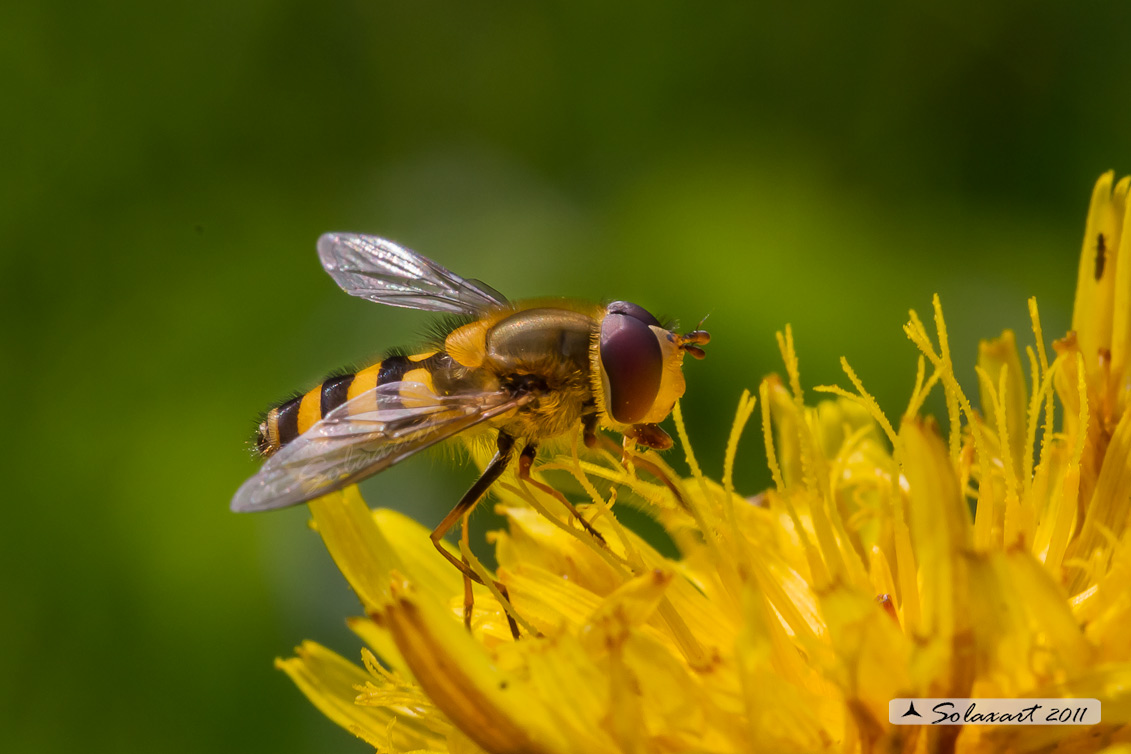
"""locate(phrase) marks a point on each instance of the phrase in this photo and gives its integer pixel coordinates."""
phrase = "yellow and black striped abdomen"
(289, 420)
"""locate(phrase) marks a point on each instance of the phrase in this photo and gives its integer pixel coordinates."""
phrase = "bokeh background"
(166, 170)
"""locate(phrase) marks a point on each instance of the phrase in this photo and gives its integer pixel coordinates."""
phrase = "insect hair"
(441, 327)
(252, 442)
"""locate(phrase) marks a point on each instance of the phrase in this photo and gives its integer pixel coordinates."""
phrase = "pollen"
(890, 558)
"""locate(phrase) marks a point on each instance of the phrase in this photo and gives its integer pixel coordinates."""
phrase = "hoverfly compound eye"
(635, 311)
(632, 360)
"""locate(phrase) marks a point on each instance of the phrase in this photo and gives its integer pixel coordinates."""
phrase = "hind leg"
(460, 513)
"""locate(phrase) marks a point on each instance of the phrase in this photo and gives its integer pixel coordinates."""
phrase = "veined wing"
(364, 436)
(382, 271)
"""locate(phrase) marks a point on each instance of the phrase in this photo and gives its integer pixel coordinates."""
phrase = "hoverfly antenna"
(691, 341)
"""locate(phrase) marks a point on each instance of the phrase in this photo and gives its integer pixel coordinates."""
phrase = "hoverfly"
(531, 371)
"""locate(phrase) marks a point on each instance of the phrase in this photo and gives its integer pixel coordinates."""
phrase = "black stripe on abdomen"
(288, 420)
(393, 369)
(334, 392)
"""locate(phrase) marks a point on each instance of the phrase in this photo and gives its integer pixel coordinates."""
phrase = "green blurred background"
(166, 172)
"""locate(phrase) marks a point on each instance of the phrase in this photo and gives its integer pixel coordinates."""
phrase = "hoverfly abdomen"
(278, 427)
(334, 392)
(286, 422)
(391, 369)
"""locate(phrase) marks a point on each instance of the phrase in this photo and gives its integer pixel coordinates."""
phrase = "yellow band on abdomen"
(310, 410)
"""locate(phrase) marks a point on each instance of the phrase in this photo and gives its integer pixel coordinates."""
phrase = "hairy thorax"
(543, 352)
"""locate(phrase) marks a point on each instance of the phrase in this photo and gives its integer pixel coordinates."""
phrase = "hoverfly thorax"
(641, 364)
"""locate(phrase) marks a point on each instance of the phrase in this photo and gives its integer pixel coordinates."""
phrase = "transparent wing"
(382, 271)
(362, 437)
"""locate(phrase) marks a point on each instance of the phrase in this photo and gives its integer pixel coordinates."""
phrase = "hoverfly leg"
(525, 461)
(640, 462)
(463, 508)
(468, 595)
(589, 430)
(643, 463)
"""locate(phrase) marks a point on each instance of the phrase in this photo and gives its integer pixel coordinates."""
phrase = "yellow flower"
(790, 618)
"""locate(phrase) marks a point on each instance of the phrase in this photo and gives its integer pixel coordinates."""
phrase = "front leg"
(640, 462)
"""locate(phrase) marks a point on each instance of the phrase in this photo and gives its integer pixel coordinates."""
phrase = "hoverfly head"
(641, 364)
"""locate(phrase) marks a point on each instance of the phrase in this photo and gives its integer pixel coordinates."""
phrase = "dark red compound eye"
(633, 310)
(632, 359)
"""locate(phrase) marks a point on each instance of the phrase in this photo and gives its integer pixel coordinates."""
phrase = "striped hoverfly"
(531, 371)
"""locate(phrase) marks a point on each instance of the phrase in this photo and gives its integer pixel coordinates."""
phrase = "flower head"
(888, 560)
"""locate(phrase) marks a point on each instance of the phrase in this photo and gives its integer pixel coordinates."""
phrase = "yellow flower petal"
(489, 706)
(1000, 362)
(940, 531)
(1092, 314)
(362, 553)
(332, 684)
